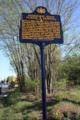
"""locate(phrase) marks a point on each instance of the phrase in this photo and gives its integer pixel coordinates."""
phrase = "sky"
(5, 67)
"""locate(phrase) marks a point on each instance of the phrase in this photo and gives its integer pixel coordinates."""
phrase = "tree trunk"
(21, 78)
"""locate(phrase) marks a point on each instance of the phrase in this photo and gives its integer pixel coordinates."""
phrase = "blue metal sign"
(40, 26)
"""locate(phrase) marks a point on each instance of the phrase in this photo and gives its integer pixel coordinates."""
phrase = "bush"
(8, 114)
(71, 69)
(60, 95)
(21, 106)
(11, 98)
(34, 116)
(1, 105)
(30, 85)
(60, 85)
(65, 110)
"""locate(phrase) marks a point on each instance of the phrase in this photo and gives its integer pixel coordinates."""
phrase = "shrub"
(65, 110)
(11, 98)
(20, 106)
(1, 113)
(34, 116)
(60, 85)
(8, 114)
(30, 85)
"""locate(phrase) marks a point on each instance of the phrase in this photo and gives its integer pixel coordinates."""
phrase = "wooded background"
(62, 61)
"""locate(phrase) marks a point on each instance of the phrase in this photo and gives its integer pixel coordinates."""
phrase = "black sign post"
(41, 28)
(43, 81)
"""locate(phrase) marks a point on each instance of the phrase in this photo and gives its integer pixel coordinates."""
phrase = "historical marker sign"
(40, 26)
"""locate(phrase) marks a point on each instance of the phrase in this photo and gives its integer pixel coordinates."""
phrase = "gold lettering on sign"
(40, 27)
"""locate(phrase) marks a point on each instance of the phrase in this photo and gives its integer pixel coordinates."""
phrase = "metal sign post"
(41, 28)
(43, 81)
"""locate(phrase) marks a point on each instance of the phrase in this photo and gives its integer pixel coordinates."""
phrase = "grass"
(59, 110)
(1, 113)
(24, 109)
(75, 95)
(71, 95)
(20, 106)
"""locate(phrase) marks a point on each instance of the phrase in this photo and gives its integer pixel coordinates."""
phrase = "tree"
(53, 57)
(71, 69)
(22, 56)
